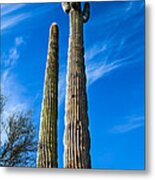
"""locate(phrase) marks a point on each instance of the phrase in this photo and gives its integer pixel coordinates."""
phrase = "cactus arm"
(86, 12)
(66, 7)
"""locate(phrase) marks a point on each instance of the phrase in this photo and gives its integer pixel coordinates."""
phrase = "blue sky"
(114, 57)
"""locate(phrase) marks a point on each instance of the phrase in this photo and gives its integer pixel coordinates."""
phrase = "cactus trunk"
(47, 147)
(76, 139)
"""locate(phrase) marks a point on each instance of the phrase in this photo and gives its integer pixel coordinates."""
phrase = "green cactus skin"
(47, 146)
(76, 137)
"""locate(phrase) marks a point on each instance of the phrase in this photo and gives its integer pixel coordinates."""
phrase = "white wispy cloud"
(104, 58)
(9, 22)
(96, 71)
(10, 87)
(10, 58)
(19, 41)
(106, 55)
(9, 17)
(112, 16)
(9, 8)
(131, 123)
(94, 51)
(14, 92)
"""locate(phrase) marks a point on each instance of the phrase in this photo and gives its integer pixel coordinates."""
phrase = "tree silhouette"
(17, 143)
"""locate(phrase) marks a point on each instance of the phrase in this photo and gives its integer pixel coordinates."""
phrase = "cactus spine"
(76, 138)
(47, 147)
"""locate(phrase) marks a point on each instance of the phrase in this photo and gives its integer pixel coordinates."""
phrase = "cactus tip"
(54, 24)
(54, 28)
(66, 7)
(75, 5)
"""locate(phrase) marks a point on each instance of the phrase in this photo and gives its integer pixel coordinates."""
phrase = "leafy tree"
(18, 144)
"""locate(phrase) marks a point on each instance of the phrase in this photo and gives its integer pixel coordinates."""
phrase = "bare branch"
(20, 146)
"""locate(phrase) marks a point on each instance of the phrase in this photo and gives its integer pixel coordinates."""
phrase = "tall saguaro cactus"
(47, 147)
(76, 139)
